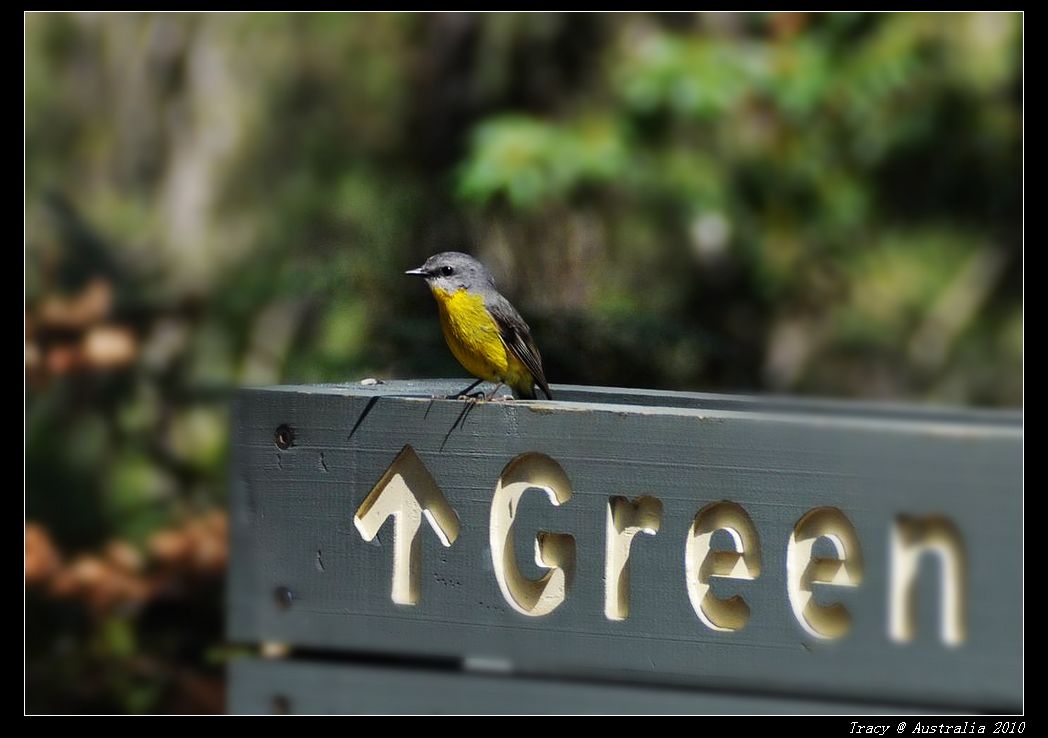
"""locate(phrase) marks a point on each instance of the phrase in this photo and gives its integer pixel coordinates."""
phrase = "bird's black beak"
(420, 272)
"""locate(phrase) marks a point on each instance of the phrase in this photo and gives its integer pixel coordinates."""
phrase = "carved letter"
(553, 551)
(911, 537)
(625, 520)
(701, 563)
(803, 570)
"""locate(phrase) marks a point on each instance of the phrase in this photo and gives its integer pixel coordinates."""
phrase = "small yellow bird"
(483, 330)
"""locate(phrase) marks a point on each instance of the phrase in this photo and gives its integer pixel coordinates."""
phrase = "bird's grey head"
(451, 271)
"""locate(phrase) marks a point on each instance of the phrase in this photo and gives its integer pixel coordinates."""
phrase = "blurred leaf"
(529, 161)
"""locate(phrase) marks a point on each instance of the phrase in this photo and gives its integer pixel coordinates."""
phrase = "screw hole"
(284, 437)
(284, 597)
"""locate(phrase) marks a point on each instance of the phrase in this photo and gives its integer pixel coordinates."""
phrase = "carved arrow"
(407, 491)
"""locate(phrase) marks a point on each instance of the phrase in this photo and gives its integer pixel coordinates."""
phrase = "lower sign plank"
(823, 550)
(304, 688)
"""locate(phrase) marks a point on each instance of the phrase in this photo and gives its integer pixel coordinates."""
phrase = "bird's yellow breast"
(474, 338)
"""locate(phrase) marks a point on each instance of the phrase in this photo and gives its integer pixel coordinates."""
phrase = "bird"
(483, 330)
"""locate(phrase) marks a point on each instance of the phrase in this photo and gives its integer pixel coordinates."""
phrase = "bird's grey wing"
(517, 337)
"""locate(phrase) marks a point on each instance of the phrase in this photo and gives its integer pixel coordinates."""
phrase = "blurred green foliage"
(810, 203)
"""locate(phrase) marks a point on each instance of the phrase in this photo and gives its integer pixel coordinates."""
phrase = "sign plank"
(820, 550)
(259, 687)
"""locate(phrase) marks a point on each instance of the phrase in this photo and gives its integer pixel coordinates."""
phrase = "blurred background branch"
(825, 204)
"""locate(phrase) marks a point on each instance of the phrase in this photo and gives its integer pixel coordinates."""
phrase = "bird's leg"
(464, 393)
(494, 392)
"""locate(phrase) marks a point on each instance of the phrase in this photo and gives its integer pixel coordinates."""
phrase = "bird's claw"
(465, 396)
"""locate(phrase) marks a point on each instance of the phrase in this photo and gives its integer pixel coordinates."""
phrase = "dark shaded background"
(815, 204)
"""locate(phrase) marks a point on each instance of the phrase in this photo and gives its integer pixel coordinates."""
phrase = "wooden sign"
(806, 550)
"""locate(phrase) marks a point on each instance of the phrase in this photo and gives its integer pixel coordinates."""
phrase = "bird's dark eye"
(446, 271)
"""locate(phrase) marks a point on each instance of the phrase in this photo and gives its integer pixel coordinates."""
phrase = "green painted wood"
(292, 527)
(312, 688)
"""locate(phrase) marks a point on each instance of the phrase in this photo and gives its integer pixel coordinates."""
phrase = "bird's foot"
(465, 396)
(494, 392)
